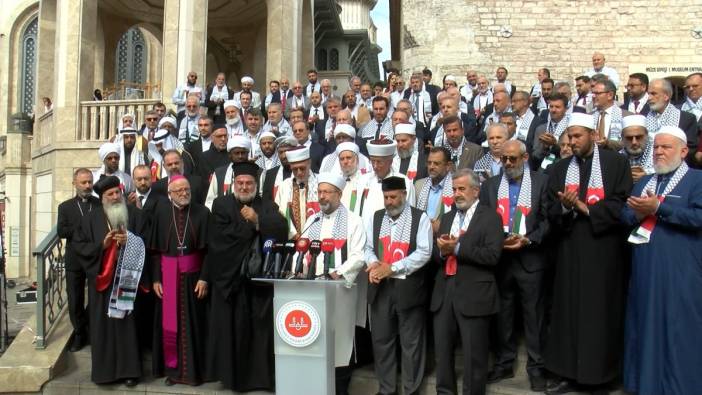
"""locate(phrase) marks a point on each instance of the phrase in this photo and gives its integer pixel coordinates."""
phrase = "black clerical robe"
(585, 340)
(114, 345)
(240, 341)
(179, 354)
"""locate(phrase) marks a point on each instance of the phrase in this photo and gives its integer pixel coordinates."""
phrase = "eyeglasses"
(152, 119)
(181, 190)
(512, 159)
(598, 93)
(191, 106)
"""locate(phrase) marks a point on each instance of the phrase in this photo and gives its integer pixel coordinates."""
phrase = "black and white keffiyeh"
(130, 264)
(669, 117)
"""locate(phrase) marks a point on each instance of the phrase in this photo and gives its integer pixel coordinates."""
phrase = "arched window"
(131, 57)
(322, 60)
(28, 66)
(334, 59)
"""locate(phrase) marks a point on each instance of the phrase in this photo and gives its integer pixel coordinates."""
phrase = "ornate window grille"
(334, 59)
(131, 57)
(28, 67)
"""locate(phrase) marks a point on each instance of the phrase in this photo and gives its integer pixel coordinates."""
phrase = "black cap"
(393, 184)
(245, 168)
(105, 183)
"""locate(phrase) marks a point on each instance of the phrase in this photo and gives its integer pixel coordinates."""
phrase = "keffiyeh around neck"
(523, 204)
(595, 187)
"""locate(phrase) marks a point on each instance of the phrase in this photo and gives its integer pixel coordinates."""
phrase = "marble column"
(73, 80)
(46, 39)
(184, 44)
(284, 39)
(308, 39)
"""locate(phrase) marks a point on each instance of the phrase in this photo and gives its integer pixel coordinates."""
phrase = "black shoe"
(131, 382)
(538, 383)
(561, 387)
(77, 342)
(499, 374)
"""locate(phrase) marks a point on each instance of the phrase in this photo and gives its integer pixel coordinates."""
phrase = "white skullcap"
(673, 131)
(165, 120)
(634, 120)
(238, 142)
(297, 154)
(285, 141)
(345, 129)
(246, 78)
(580, 119)
(347, 146)
(375, 149)
(107, 149)
(160, 135)
(129, 114)
(450, 78)
(405, 128)
(267, 134)
(332, 178)
(230, 103)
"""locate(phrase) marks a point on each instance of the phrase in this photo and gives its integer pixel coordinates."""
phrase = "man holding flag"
(519, 197)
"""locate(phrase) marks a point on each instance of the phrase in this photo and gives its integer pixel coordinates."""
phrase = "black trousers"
(516, 285)
(449, 323)
(75, 291)
(387, 324)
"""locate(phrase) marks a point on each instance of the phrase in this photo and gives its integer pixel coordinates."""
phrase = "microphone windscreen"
(268, 246)
(328, 245)
(302, 245)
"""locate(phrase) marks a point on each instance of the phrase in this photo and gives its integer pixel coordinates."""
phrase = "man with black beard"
(519, 196)
(113, 258)
(217, 155)
(272, 179)
(70, 214)
(178, 243)
(240, 340)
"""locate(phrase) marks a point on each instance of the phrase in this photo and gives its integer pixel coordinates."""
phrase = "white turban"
(405, 128)
(246, 78)
(673, 131)
(347, 146)
(107, 149)
(580, 119)
(238, 142)
(165, 120)
(332, 178)
(297, 154)
(230, 103)
(345, 129)
(634, 120)
(381, 149)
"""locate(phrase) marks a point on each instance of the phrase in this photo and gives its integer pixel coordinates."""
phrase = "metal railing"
(51, 285)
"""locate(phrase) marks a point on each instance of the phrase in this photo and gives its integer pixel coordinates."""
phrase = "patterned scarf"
(369, 129)
(524, 124)
(411, 167)
(130, 264)
(484, 164)
(557, 129)
(670, 117)
(311, 203)
(455, 152)
(642, 234)
(261, 161)
(693, 108)
(389, 250)
(644, 160)
(523, 204)
(595, 188)
(339, 232)
(446, 195)
(615, 124)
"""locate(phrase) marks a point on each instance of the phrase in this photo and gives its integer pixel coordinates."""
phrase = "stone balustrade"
(99, 120)
(44, 134)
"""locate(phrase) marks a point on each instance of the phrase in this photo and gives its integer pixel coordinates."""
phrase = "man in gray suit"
(435, 192)
(464, 154)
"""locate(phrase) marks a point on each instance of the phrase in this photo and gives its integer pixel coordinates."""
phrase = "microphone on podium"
(315, 249)
(328, 250)
(302, 245)
(267, 249)
(289, 253)
(278, 250)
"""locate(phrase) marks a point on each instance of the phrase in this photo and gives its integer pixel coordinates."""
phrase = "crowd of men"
(450, 209)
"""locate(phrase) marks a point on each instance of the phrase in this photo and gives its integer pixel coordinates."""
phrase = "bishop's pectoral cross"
(181, 248)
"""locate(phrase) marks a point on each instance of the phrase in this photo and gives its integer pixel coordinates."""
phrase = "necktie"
(636, 106)
(377, 132)
(140, 201)
(316, 112)
(416, 106)
(283, 99)
(601, 125)
(584, 99)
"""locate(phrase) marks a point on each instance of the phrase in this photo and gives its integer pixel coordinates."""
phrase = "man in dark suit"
(398, 289)
(173, 163)
(315, 112)
(467, 249)
(432, 89)
(273, 177)
(70, 214)
(636, 99)
(519, 196)
(663, 112)
(302, 134)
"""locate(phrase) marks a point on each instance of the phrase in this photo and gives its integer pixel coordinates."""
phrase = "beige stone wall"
(560, 35)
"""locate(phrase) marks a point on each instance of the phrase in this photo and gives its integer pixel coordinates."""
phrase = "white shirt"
(375, 201)
(608, 71)
(642, 103)
(320, 112)
(412, 262)
(143, 197)
(206, 143)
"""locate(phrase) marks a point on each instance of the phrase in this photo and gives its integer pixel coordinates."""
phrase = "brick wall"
(560, 35)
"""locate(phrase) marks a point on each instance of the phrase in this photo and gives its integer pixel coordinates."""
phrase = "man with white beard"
(234, 125)
(661, 353)
(336, 223)
(664, 113)
(409, 160)
(344, 133)
(348, 158)
(187, 120)
(276, 124)
(297, 197)
(113, 258)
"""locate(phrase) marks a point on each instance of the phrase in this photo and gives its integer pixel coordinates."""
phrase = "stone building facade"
(661, 38)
